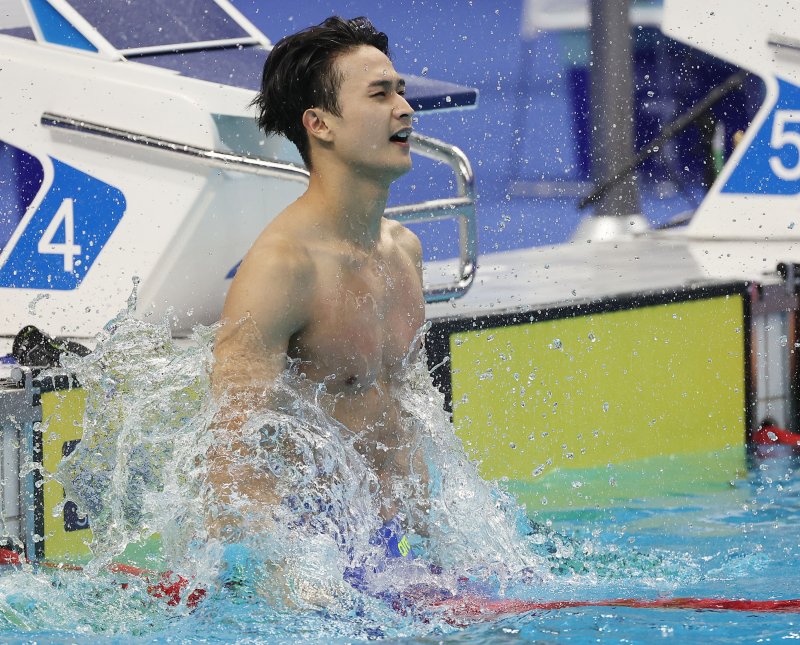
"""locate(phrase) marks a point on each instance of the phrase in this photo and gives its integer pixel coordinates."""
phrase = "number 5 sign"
(62, 239)
(771, 165)
(782, 137)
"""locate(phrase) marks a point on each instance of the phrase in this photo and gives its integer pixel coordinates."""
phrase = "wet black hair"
(299, 74)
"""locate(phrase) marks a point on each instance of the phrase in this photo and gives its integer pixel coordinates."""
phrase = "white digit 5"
(782, 137)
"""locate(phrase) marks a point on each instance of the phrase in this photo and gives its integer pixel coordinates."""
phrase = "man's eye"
(379, 94)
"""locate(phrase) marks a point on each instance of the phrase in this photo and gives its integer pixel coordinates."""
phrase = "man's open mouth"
(401, 136)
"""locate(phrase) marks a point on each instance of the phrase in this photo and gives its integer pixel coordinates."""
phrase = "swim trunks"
(391, 542)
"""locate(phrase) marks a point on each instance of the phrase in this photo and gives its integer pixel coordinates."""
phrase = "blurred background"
(529, 139)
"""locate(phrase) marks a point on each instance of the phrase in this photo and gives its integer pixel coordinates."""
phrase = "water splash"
(140, 472)
(35, 301)
(138, 468)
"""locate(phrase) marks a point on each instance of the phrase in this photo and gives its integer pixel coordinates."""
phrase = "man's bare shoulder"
(404, 238)
(277, 274)
(295, 236)
(277, 256)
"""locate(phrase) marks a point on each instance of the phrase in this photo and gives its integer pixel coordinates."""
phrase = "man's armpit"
(241, 356)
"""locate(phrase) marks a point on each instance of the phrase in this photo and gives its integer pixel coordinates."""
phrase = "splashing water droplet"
(36, 300)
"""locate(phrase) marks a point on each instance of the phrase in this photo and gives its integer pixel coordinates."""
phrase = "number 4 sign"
(64, 215)
(62, 239)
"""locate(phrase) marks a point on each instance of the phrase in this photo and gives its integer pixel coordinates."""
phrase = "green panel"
(603, 487)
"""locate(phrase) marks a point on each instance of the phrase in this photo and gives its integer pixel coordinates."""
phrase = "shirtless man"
(329, 281)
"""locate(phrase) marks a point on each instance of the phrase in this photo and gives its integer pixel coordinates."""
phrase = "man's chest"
(364, 325)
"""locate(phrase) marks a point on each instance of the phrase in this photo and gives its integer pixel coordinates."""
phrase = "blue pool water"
(742, 542)
(739, 541)
(145, 434)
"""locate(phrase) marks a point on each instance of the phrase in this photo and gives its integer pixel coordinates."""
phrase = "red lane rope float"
(460, 611)
(464, 610)
(769, 436)
(167, 585)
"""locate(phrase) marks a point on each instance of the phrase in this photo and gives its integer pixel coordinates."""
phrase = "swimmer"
(330, 284)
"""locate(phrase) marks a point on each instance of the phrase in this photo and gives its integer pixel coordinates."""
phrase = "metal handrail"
(784, 42)
(245, 163)
(461, 207)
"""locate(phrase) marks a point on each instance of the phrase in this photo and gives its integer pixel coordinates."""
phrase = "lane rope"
(458, 611)
(161, 584)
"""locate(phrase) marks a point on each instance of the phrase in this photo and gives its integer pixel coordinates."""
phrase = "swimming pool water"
(663, 528)
(739, 541)
(742, 542)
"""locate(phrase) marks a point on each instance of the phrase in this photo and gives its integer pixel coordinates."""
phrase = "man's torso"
(366, 312)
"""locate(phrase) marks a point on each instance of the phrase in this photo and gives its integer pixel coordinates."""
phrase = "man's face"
(374, 113)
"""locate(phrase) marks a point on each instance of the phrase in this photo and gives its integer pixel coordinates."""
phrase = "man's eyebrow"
(387, 83)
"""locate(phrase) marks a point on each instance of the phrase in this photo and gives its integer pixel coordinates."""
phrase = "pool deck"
(576, 272)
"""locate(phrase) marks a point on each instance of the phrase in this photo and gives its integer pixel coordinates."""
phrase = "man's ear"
(315, 121)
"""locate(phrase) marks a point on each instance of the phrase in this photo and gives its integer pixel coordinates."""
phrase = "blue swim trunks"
(408, 597)
(391, 537)
(391, 545)
(392, 542)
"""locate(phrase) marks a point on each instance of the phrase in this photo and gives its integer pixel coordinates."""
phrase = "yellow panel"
(608, 388)
(62, 412)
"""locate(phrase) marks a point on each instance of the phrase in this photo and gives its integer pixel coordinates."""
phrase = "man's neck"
(352, 204)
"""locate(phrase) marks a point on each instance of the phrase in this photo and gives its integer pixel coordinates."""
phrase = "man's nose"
(403, 109)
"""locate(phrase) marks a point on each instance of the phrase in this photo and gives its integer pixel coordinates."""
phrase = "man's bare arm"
(266, 305)
(409, 462)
